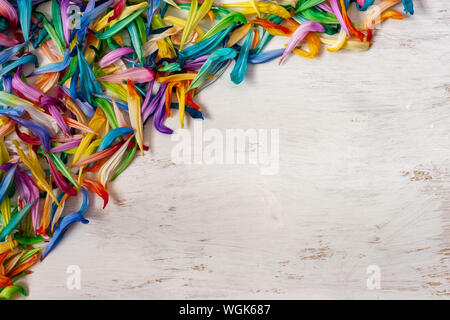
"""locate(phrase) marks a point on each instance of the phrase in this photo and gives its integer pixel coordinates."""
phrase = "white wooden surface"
(364, 180)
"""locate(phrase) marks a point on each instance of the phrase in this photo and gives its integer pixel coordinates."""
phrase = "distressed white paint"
(364, 180)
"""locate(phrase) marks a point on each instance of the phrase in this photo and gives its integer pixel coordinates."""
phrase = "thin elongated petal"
(118, 5)
(214, 59)
(127, 11)
(66, 146)
(266, 56)
(24, 266)
(13, 111)
(205, 46)
(32, 162)
(134, 110)
(29, 192)
(25, 17)
(55, 67)
(77, 125)
(29, 92)
(65, 4)
(238, 72)
(66, 222)
(7, 41)
(8, 292)
(129, 157)
(98, 188)
(37, 129)
(160, 116)
(29, 58)
(409, 6)
(6, 181)
(7, 54)
(100, 155)
(15, 220)
(113, 56)
(59, 179)
(119, 25)
(107, 170)
(299, 34)
(113, 135)
(137, 75)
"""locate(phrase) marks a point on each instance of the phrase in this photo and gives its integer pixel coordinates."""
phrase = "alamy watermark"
(73, 281)
(258, 147)
(374, 280)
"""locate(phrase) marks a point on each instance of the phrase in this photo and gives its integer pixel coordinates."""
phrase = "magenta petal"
(137, 75)
(113, 56)
(337, 13)
(53, 110)
(65, 20)
(6, 41)
(299, 34)
(28, 192)
(66, 146)
(361, 2)
(30, 92)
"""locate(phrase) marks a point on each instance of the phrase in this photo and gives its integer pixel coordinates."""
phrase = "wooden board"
(363, 180)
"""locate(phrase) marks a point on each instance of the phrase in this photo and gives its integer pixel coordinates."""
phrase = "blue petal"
(4, 185)
(24, 7)
(112, 135)
(66, 222)
(215, 59)
(409, 6)
(87, 84)
(29, 58)
(203, 47)
(54, 67)
(13, 111)
(265, 56)
(154, 5)
(238, 73)
(7, 54)
(194, 113)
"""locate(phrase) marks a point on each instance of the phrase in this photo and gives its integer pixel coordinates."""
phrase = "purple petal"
(160, 116)
(28, 192)
(137, 75)
(30, 92)
(65, 20)
(150, 108)
(53, 110)
(337, 13)
(299, 34)
(196, 63)
(113, 56)
(37, 129)
(66, 146)
(326, 7)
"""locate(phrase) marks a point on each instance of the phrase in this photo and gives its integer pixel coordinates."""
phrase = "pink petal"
(299, 34)
(113, 56)
(137, 75)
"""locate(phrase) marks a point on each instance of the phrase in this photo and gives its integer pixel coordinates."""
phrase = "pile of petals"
(78, 86)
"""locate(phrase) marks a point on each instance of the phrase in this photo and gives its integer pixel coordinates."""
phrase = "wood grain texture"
(364, 179)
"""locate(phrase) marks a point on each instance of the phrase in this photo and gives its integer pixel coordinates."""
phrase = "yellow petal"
(134, 110)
